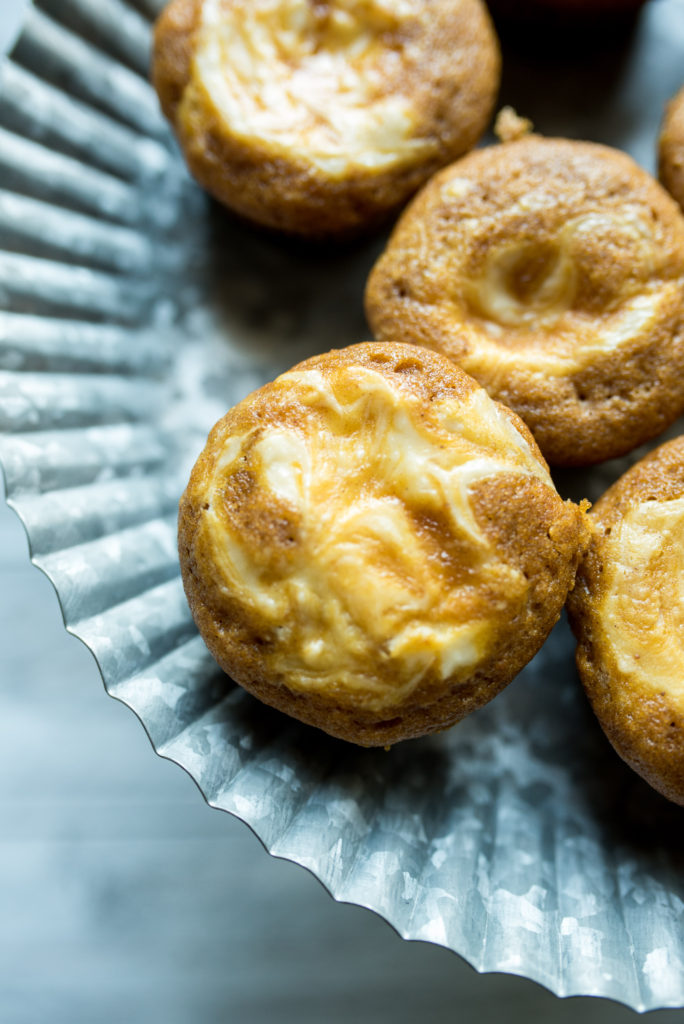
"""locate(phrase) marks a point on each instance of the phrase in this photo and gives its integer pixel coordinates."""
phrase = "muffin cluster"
(373, 542)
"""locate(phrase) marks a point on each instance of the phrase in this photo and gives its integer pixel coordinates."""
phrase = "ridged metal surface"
(134, 314)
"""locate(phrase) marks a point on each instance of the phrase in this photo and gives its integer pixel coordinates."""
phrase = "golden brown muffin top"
(627, 611)
(328, 81)
(337, 515)
(642, 608)
(552, 271)
(638, 594)
(545, 252)
(343, 86)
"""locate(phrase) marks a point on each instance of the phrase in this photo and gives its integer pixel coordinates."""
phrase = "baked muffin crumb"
(510, 126)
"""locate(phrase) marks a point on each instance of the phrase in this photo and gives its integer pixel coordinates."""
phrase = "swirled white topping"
(316, 81)
(367, 551)
(533, 287)
(642, 612)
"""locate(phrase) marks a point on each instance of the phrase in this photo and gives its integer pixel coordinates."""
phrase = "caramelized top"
(641, 610)
(338, 512)
(540, 254)
(324, 81)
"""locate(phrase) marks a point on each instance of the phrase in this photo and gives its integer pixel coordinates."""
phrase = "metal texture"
(135, 313)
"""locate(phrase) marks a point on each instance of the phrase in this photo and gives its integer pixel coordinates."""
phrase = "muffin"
(628, 615)
(671, 148)
(319, 118)
(552, 271)
(372, 545)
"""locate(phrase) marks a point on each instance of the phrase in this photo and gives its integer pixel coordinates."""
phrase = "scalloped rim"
(13, 29)
(532, 976)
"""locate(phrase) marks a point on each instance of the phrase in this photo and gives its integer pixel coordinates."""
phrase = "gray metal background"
(135, 313)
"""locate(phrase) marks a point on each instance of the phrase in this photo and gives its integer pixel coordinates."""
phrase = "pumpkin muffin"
(552, 271)
(671, 148)
(373, 545)
(319, 117)
(627, 612)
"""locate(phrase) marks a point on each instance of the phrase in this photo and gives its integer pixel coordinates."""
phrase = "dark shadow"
(565, 72)
(305, 297)
(549, 36)
(407, 774)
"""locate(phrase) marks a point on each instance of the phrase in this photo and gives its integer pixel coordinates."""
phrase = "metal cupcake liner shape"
(134, 313)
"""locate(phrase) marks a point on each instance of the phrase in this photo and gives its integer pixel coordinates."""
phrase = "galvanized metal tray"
(134, 312)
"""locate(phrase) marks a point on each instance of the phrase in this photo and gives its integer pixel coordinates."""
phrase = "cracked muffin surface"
(373, 545)
(627, 612)
(552, 271)
(318, 117)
